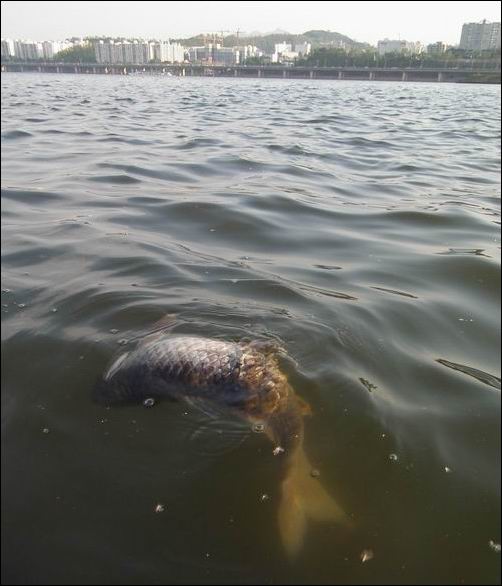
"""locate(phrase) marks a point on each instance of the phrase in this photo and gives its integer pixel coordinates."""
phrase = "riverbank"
(263, 71)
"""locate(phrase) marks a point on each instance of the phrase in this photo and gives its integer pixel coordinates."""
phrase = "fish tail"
(303, 498)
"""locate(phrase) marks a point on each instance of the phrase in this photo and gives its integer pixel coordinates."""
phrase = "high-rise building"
(198, 54)
(166, 52)
(215, 54)
(8, 48)
(140, 52)
(116, 53)
(51, 48)
(28, 50)
(436, 48)
(480, 36)
(102, 50)
(127, 52)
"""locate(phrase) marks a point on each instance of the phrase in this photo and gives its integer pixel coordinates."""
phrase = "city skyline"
(413, 21)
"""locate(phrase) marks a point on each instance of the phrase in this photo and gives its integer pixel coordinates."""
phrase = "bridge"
(456, 75)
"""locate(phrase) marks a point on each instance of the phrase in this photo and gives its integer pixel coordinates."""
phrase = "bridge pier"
(235, 72)
(259, 72)
(404, 77)
(440, 76)
(372, 76)
(284, 74)
(311, 74)
(340, 74)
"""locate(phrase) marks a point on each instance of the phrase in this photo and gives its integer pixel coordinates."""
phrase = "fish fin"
(305, 408)
(292, 519)
(159, 328)
(267, 347)
(206, 407)
(303, 498)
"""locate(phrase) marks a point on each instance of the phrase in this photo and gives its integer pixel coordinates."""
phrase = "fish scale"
(246, 378)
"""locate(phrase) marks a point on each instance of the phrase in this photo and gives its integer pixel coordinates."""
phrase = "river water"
(357, 224)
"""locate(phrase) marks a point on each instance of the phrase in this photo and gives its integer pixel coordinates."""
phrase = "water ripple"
(355, 224)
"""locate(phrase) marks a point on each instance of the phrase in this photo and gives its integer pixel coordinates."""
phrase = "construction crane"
(236, 33)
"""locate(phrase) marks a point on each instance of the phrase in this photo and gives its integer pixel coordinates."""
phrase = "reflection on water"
(357, 225)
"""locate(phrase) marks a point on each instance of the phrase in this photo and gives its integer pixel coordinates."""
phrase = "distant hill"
(266, 42)
(323, 38)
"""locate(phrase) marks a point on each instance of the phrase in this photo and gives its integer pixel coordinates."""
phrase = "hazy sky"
(362, 21)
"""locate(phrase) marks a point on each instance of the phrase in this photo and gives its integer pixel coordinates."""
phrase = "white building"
(137, 52)
(248, 51)
(8, 48)
(116, 53)
(284, 51)
(178, 53)
(393, 46)
(166, 52)
(141, 52)
(127, 52)
(283, 48)
(303, 48)
(28, 50)
(52, 48)
(480, 36)
(102, 50)
(215, 54)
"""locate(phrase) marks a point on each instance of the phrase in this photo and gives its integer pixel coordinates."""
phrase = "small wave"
(480, 375)
(31, 196)
(199, 143)
(328, 267)
(467, 251)
(15, 134)
(165, 175)
(396, 292)
(114, 179)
